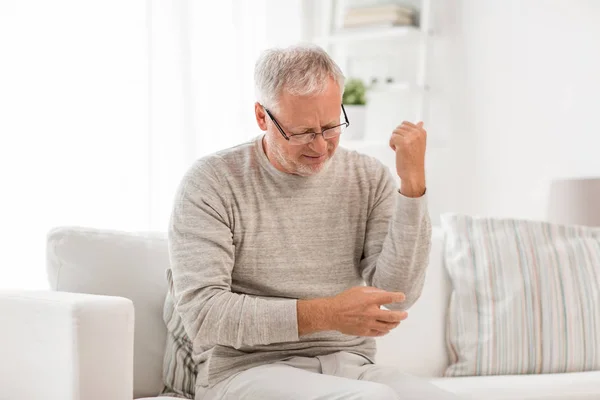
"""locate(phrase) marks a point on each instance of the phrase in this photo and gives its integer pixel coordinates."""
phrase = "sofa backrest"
(134, 266)
(118, 264)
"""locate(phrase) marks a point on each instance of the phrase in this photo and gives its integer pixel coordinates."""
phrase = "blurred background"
(104, 104)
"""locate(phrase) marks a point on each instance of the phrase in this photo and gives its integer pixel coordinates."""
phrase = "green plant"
(354, 92)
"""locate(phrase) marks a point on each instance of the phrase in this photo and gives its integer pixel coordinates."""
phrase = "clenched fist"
(409, 142)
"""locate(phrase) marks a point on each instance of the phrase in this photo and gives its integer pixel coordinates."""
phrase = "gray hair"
(299, 70)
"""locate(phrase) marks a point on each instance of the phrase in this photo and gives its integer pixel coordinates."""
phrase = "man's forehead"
(310, 108)
(311, 119)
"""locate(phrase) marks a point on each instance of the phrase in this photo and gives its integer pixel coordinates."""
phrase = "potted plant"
(354, 100)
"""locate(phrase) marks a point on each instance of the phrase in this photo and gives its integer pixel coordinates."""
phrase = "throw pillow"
(525, 296)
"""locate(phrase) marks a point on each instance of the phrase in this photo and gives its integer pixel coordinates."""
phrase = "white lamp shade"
(575, 201)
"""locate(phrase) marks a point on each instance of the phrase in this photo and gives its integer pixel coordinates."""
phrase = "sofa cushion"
(572, 386)
(526, 296)
(118, 264)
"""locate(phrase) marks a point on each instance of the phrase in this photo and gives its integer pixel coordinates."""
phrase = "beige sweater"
(246, 241)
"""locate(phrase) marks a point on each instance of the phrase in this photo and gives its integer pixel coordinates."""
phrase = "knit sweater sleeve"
(202, 260)
(398, 241)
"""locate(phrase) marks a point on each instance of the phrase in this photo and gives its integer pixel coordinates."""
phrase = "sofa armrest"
(65, 346)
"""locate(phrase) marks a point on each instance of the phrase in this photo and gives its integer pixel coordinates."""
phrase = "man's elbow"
(406, 304)
(413, 293)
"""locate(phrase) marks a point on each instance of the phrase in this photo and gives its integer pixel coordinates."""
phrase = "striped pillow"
(525, 299)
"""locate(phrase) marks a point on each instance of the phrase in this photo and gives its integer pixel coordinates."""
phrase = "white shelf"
(396, 87)
(363, 34)
(377, 41)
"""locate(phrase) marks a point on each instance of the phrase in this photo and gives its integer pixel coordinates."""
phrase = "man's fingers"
(372, 289)
(398, 135)
(377, 333)
(407, 123)
(391, 316)
(382, 326)
(409, 126)
(388, 298)
(403, 130)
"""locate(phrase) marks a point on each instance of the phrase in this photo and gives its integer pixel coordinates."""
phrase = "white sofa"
(81, 345)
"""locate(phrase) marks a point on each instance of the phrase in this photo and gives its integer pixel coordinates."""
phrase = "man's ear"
(261, 116)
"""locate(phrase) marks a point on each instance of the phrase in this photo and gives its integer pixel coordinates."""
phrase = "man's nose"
(319, 144)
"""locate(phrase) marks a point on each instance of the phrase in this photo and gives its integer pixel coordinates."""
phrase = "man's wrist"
(413, 188)
(313, 316)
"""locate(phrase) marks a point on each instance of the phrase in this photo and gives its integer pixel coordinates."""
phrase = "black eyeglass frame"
(346, 123)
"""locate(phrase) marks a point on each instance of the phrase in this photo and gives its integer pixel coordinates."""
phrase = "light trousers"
(332, 377)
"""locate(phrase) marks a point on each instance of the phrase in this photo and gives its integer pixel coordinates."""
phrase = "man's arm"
(396, 251)
(398, 237)
(202, 258)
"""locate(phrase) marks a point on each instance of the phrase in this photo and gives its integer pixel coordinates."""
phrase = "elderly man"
(271, 243)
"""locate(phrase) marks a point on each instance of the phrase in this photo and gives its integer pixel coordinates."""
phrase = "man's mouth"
(315, 159)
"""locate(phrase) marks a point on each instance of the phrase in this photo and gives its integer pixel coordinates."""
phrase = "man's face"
(301, 114)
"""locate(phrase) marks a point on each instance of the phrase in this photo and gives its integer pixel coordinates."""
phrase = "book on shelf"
(385, 15)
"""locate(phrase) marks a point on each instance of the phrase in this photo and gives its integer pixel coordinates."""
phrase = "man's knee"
(374, 391)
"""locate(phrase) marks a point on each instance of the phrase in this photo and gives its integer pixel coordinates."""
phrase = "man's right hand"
(355, 311)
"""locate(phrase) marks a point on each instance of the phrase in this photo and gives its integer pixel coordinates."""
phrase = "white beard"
(296, 168)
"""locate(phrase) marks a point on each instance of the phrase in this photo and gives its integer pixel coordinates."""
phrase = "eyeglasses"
(305, 138)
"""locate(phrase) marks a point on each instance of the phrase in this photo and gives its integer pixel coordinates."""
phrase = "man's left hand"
(409, 142)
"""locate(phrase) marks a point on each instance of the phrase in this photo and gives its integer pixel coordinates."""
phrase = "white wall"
(451, 150)
(515, 86)
(532, 99)
(73, 123)
(446, 156)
